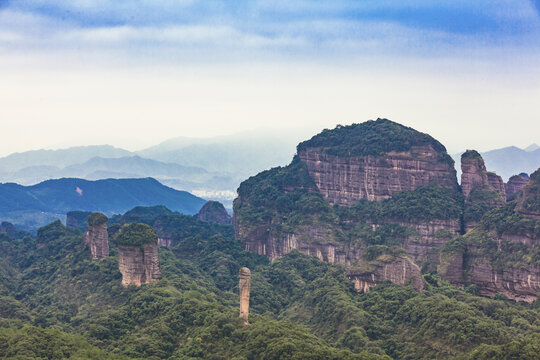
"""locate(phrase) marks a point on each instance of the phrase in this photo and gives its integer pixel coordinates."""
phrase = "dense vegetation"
(96, 219)
(58, 303)
(135, 234)
(531, 204)
(375, 137)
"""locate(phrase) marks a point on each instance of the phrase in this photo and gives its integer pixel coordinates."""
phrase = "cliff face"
(345, 180)
(473, 172)
(332, 201)
(214, 212)
(398, 270)
(97, 240)
(514, 185)
(520, 284)
(138, 265)
(474, 175)
(138, 260)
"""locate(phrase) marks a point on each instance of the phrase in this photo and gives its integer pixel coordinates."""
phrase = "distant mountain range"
(509, 160)
(32, 206)
(211, 168)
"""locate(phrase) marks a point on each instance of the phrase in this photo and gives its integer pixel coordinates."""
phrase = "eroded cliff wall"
(345, 180)
(138, 264)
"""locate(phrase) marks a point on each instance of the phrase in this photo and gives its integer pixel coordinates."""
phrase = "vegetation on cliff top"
(136, 234)
(96, 219)
(531, 192)
(471, 154)
(301, 308)
(374, 137)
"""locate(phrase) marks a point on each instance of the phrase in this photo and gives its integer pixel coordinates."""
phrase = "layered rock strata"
(514, 185)
(398, 270)
(345, 180)
(97, 237)
(474, 175)
(138, 265)
(138, 260)
(243, 286)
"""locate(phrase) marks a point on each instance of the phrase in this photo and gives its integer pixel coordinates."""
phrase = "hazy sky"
(133, 73)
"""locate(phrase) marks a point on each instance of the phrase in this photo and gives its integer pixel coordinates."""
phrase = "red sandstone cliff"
(97, 237)
(514, 185)
(345, 180)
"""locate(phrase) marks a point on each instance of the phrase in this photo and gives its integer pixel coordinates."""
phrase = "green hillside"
(57, 303)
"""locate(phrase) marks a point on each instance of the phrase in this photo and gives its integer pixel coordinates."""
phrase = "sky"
(135, 73)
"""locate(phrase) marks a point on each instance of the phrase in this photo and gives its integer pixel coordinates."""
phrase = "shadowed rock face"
(244, 284)
(138, 265)
(399, 270)
(496, 182)
(97, 239)
(514, 185)
(214, 211)
(346, 180)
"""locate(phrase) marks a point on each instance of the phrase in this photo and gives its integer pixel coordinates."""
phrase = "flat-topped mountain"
(379, 197)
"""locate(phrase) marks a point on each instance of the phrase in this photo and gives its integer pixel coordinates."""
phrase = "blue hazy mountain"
(32, 206)
(58, 158)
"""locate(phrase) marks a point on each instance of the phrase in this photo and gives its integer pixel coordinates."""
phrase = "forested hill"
(30, 205)
(57, 303)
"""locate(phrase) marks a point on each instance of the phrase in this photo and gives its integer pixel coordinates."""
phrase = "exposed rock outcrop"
(474, 175)
(345, 180)
(138, 260)
(496, 182)
(97, 237)
(243, 286)
(398, 270)
(280, 210)
(214, 212)
(514, 185)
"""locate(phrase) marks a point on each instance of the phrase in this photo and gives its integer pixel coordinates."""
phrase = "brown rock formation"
(243, 286)
(496, 182)
(473, 172)
(138, 265)
(214, 211)
(138, 260)
(514, 185)
(345, 180)
(474, 175)
(398, 270)
(520, 284)
(97, 237)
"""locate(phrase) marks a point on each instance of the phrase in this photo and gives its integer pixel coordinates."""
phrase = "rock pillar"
(245, 278)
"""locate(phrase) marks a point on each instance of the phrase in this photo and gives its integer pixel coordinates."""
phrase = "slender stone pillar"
(245, 276)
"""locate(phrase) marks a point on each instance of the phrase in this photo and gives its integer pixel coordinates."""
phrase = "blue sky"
(202, 68)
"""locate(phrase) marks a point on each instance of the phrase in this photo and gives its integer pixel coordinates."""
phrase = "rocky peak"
(138, 260)
(214, 212)
(473, 172)
(97, 237)
(529, 200)
(514, 185)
